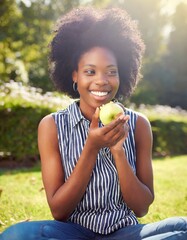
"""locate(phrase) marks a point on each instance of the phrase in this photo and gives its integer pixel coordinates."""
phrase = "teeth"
(100, 94)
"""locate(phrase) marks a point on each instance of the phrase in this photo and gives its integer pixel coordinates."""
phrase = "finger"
(115, 134)
(126, 127)
(124, 117)
(119, 131)
(118, 137)
(114, 125)
(95, 119)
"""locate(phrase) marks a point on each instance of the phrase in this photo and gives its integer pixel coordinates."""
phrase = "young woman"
(98, 179)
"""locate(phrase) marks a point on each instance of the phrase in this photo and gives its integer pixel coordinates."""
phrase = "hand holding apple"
(113, 134)
(109, 112)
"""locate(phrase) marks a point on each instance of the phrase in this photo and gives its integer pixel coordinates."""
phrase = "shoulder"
(46, 121)
(142, 121)
(133, 117)
(143, 130)
(68, 111)
(138, 118)
(47, 125)
(51, 122)
(47, 135)
(140, 124)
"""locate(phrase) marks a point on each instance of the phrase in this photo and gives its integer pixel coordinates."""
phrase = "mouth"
(99, 94)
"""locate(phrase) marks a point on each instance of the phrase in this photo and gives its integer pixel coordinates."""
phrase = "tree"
(168, 77)
(11, 65)
(151, 22)
(40, 18)
(176, 61)
(25, 33)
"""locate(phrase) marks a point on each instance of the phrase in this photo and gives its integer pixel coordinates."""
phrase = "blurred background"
(27, 94)
(26, 28)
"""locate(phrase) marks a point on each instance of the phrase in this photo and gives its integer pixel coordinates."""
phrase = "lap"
(171, 228)
(46, 230)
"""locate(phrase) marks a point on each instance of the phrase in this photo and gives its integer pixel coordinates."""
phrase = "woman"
(98, 179)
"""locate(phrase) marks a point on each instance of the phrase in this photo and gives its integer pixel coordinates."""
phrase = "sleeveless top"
(102, 208)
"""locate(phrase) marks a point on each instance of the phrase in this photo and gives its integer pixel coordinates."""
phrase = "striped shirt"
(102, 208)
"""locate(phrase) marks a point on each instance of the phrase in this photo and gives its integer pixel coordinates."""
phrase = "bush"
(170, 137)
(18, 131)
(21, 109)
(169, 126)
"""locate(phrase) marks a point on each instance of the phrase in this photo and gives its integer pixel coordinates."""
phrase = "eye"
(89, 72)
(112, 72)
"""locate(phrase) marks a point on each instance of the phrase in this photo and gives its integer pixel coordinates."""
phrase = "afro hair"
(84, 28)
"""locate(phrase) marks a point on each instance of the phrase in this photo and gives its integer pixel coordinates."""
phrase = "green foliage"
(169, 127)
(169, 137)
(21, 109)
(165, 80)
(25, 34)
(19, 134)
(11, 29)
(150, 21)
(175, 61)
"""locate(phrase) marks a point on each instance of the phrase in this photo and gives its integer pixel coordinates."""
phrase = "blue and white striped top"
(102, 208)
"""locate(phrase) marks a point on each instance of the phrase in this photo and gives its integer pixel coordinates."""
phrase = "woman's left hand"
(123, 133)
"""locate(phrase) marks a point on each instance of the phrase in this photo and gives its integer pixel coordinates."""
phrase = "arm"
(137, 190)
(62, 196)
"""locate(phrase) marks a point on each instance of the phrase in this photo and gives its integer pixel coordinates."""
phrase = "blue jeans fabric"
(170, 228)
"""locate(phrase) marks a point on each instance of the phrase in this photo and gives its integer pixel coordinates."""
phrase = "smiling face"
(97, 79)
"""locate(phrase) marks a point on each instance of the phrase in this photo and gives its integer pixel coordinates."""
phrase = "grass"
(170, 181)
(22, 197)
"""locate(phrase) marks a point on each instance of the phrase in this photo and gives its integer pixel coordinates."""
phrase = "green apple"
(109, 111)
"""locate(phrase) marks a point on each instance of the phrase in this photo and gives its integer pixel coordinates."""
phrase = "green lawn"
(22, 196)
(170, 181)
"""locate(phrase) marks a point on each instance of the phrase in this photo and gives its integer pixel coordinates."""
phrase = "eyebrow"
(92, 65)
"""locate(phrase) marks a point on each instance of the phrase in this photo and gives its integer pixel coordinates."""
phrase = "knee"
(178, 223)
(183, 222)
(19, 231)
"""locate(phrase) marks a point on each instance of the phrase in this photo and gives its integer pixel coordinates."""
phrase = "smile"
(100, 94)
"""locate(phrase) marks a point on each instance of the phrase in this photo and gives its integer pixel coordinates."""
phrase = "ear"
(74, 76)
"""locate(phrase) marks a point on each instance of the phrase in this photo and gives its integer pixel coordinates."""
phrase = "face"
(97, 79)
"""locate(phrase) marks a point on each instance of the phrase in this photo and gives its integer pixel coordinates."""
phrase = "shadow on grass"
(166, 157)
(36, 167)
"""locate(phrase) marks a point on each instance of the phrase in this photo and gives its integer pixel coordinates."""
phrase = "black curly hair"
(84, 28)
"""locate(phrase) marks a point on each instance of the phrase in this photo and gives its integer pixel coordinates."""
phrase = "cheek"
(116, 84)
(82, 84)
(116, 88)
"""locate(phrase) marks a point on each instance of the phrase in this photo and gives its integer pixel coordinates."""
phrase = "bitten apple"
(109, 111)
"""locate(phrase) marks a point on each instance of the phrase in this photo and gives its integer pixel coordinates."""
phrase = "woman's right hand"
(108, 135)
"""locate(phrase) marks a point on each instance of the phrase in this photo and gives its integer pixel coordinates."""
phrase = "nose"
(102, 79)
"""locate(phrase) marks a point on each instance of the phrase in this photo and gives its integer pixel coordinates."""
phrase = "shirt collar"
(76, 114)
